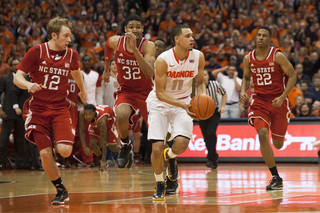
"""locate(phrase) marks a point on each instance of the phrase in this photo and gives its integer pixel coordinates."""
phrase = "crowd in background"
(224, 31)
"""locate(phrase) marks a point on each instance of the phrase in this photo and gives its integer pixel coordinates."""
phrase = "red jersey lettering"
(268, 78)
(51, 69)
(130, 76)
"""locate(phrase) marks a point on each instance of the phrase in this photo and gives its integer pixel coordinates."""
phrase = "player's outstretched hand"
(103, 166)
(132, 40)
(83, 96)
(87, 151)
(34, 87)
(277, 102)
(191, 114)
(106, 77)
(244, 98)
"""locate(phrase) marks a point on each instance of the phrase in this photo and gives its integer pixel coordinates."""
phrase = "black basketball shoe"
(172, 186)
(275, 183)
(125, 157)
(61, 197)
(172, 165)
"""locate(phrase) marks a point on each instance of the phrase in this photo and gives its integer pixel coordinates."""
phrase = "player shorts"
(135, 100)
(277, 118)
(112, 133)
(162, 114)
(51, 119)
(136, 125)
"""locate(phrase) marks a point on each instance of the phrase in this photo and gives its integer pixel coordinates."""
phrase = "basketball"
(203, 106)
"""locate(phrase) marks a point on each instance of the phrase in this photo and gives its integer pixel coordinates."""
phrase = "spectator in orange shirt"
(87, 34)
(114, 31)
(4, 67)
(211, 47)
(35, 37)
(168, 21)
(295, 92)
(226, 46)
(3, 32)
(316, 108)
(7, 46)
(222, 59)
(83, 18)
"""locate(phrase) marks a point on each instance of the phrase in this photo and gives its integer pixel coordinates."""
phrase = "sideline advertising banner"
(243, 141)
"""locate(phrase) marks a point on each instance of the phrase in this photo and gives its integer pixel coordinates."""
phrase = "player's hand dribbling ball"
(203, 106)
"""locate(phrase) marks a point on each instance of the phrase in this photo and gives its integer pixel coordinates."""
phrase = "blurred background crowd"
(224, 30)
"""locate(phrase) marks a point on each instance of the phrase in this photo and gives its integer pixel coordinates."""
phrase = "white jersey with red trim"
(180, 73)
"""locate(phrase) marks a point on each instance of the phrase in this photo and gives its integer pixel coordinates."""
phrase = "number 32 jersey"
(268, 78)
(50, 69)
(130, 76)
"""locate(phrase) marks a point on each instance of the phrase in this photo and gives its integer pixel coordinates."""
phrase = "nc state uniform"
(134, 87)
(180, 75)
(94, 132)
(269, 83)
(47, 110)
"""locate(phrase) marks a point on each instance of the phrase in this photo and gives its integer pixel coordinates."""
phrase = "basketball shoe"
(61, 197)
(159, 191)
(125, 157)
(172, 186)
(172, 165)
(275, 183)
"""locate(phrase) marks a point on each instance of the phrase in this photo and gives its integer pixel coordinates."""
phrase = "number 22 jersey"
(268, 78)
(50, 69)
(130, 76)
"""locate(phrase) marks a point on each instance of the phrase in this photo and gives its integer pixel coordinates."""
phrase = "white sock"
(159, 178)
(171, 154)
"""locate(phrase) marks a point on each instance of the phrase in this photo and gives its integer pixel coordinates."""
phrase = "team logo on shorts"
(67, 65)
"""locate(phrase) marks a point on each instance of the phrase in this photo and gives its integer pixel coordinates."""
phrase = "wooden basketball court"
(232, 188)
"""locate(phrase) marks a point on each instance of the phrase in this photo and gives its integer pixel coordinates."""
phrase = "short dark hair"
(160, 39)
(90, 107)
(265, 28)
(177, 30)
(133, 17)
(304, 82)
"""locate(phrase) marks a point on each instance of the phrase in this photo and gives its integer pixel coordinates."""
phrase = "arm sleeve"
(108, 51)
(30, 60)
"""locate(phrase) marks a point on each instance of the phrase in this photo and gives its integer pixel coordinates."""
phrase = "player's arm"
(22, 83)
(288, 69)
(201, 88)
(146, 62)
(109, 48)
(82, 133)
(245, 80)
(103, 137)
(160, 84)
(77, 76)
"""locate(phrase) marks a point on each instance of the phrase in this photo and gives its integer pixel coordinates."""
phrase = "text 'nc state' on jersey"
(180, 74)
(53, 70)
(127, 62)
(262, 70)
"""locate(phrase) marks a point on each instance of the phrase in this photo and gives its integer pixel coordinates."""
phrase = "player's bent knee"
(64, 150)
(278, 144)
(263, 133)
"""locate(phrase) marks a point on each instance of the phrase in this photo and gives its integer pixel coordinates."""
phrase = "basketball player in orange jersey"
(134, 57)
(48, 118)
(273, 79)
(169, 102)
